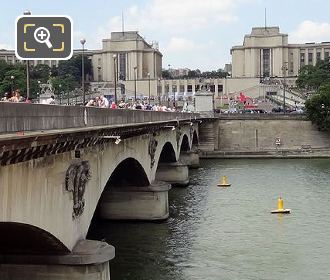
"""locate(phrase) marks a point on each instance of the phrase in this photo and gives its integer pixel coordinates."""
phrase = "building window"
(181, 88)
(197, 88)
(189, 88)
(167, 88)
(174, 88)
(326, 56)
(266, 62)
(318, 56)
(122, 66)
(302, 59)
(220, 88)
(310, 58)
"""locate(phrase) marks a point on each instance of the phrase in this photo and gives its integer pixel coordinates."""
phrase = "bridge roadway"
(58, 164)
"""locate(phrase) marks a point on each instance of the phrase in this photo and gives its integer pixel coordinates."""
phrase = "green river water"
(228, 233)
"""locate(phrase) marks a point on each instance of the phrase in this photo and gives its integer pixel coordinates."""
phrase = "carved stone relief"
(152, 149)
(76, 178)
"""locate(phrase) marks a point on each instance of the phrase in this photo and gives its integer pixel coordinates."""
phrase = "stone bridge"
(61, 165)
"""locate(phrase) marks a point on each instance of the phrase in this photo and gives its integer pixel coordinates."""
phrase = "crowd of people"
(14, 96)
(98, 101)
(102, 102)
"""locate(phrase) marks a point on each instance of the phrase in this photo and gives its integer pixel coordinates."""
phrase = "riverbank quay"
(262, 136)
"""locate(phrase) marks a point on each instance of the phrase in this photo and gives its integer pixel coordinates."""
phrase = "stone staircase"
(206, 136)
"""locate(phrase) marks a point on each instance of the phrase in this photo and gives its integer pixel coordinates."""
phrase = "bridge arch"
(194, 142)
(128, 173)
(20, 238)
(167, 154)
(185, 146)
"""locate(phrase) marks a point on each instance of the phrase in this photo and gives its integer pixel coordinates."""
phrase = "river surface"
(228, 233)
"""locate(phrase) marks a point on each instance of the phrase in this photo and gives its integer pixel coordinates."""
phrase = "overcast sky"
(191, 33)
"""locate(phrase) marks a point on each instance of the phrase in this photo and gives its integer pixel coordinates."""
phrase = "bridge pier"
(136, 203)
(190, 158)
(174, 173)
(88, 261)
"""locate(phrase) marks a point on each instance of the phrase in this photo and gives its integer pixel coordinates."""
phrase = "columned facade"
(266, 51)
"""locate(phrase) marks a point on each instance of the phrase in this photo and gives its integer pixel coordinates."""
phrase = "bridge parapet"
(16, 117)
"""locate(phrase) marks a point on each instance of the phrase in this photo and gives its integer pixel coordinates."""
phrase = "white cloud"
(309, 31)
(174, 16)
(179, 25)
(179, 44)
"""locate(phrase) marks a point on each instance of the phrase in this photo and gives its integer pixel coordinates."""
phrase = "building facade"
(126, 53)
(266, 53)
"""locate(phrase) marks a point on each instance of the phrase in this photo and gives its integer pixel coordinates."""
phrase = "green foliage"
(166, 74)
(317, 78)
(318, 109)
(63, 85)
(73, 67)
(312, 77)
(64, 78)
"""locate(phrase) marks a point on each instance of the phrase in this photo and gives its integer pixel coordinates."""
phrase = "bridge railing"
(16, 117)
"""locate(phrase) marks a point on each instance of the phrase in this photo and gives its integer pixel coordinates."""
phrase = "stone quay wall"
(266, 136)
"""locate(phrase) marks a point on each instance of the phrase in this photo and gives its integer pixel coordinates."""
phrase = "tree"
(312, 77)
(18, 81)
(166, 74)
(317, 78)
(73, 67)
(318, 108)
(41, 73)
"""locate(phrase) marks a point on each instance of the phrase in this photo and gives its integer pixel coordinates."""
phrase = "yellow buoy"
(280, 208)
(224, 182)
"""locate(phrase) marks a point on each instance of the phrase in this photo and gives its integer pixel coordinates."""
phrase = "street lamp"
(27, 13)
(149, 86)
(135, 77)
(159, 91)
(60, 93)
(38, 93)
(115, 75)
(82, 42)
(12, 83)
(284, 69)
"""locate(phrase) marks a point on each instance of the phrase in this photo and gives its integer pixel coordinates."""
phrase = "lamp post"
(38, 93)
(135, 74)
(149, 87)
(115, 75)
(60, 93)
(83, 41)
(284, 69)
(159, 91)
(27, 13)
(12, 83)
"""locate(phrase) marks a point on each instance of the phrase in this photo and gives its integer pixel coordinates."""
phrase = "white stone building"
(266, 52)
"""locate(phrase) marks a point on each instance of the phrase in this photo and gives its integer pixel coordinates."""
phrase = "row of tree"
(317, 79)
(64, 78)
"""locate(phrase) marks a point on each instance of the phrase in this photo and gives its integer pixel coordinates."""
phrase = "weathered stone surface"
(136, 203)
(175, 173)
(54, 272)
(190, 158)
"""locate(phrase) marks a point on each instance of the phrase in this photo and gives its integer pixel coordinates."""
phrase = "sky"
(195, 34)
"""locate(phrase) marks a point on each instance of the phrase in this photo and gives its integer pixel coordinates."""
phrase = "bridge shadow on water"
(154, 250)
